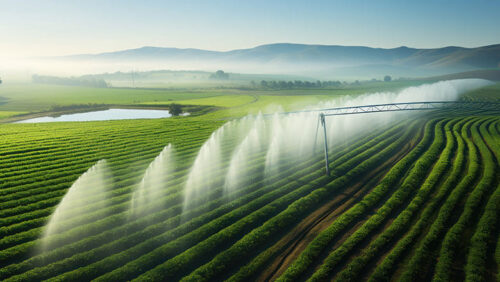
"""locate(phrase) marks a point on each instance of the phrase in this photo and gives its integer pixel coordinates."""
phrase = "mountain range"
(309, 59)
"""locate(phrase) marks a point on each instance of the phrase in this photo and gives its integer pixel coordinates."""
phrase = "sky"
(32, 28)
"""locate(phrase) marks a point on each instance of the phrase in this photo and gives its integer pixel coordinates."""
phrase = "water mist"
(203, 173)
(153, 184)
(87, 194)
(288, 139)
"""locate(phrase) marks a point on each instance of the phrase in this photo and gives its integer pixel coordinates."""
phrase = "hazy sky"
(43, 27)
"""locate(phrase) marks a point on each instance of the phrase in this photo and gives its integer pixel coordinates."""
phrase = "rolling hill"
(316, 60)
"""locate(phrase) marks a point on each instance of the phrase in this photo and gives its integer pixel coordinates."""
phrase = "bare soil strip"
(288, 248)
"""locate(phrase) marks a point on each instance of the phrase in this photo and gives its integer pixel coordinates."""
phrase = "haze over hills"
(302, 59)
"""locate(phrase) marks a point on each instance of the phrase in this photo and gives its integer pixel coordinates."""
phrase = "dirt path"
(294, 242)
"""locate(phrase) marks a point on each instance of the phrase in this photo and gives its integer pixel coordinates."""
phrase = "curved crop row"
(385, 269)
(397, 226)
(424, 250)
(238, 252)
(261, 261)
(403, 220)
(411, 183)
(481, 241)
(315, 248)
(474, 200)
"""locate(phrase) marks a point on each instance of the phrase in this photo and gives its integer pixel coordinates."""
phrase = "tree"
(298, 83)
(387, 78)
(175, 109)
(0, 80)
(220, 74)
(283, 84)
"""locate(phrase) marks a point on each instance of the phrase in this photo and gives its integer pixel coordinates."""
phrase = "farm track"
(377, 218)
(290, 246)
(417, 201)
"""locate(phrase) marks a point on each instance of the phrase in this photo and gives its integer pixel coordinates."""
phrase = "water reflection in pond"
(111, 114)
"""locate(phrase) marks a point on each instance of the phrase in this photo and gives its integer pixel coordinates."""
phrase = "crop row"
(121, 166)
(107, 152)
(385, 269)
(252, 269)
(244, 209)
(425, 250)
(410, 184)
(286, 184)
(119, 204)
(42, 190)
(454, 237)
(240, 251)
(122, 163)
(403, 220)
(313, 251)
(484, 237)
(100, 138)
(447, 179)
(78, 154)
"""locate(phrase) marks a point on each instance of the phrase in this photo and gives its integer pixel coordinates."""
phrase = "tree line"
(87, 81)
(300, 84)
(281, 84)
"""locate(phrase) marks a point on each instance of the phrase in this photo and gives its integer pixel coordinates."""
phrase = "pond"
(111, 114)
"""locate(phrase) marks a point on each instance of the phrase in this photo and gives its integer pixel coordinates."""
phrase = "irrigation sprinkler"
(394, 107)
(327, 162)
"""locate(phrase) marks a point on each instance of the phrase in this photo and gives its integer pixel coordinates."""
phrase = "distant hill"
(493, 75)
(309, 59)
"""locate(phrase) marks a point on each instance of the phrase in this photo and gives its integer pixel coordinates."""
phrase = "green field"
(6, 114)
(414, 200)
(33, 98)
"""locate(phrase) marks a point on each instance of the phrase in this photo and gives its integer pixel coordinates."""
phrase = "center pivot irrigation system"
(395, 107)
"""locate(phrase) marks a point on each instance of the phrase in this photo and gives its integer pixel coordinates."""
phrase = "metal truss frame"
(395, 107)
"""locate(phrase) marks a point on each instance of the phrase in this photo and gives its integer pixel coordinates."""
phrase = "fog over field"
(319, 61)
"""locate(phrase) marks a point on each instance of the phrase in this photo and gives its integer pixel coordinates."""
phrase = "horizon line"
(260, 45)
